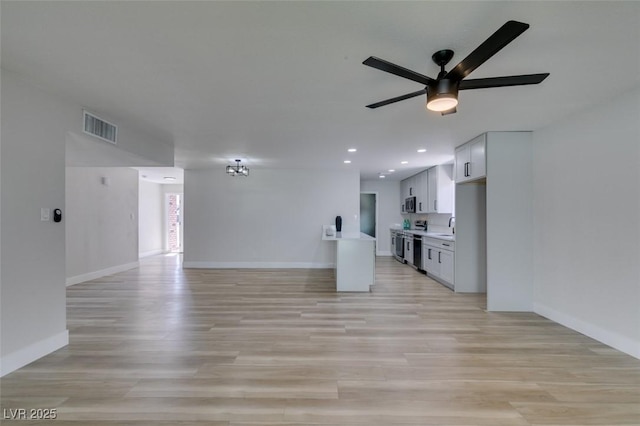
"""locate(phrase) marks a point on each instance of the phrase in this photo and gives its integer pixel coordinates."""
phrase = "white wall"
(587, 222)
(272, 218)
(509, 222)
(388, 210)
(36, 126)
(151, 226)
(33, 321)
(102, 221)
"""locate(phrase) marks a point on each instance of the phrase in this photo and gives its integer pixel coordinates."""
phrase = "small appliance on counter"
(420, 225)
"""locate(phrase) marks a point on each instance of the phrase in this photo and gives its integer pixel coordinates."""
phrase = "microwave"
(410, 205)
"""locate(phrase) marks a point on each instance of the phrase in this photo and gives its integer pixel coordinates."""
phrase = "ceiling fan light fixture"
(443, 96)
(441, 103)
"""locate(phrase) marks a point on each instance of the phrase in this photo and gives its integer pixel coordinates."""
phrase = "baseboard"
(101, 273)
(33, 352)
(615, 340)
(150, 253)
(384, 253)
(256, 265)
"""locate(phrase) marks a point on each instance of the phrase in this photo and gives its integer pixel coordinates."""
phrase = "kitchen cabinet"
(438, 260)
(440, 189)
(433, 188)
(408, 187)
(392, 236)
(408, 249)
(470, 160)
(422, 193)
(494, 235)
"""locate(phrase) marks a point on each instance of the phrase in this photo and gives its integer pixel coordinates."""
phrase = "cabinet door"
(404, 190)
(432, 264)
(422, 191)
(478, 157)
(408, 251)
(446, 266)
(425, 257)
(432, 190)
(412, 186)
(463, 158)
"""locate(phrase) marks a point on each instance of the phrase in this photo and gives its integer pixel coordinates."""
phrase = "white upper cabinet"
(471, 160)
(440, 189)
(433, 189)
(422, 193)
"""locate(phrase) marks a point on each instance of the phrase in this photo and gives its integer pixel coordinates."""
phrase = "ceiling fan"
(442, 92)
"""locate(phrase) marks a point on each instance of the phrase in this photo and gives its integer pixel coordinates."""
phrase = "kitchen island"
(355, 260)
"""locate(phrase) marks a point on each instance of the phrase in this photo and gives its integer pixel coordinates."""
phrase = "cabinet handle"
(429, 254)
(466, 169)
(420, 206)
(439, 253)
(435, 205)
(410, 191)
(445, 244)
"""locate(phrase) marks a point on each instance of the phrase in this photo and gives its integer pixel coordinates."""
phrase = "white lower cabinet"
(438, 260)
(408, 250)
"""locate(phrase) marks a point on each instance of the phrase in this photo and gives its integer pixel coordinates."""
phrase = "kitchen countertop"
(359, 236)
(438, 235)
(348, 236)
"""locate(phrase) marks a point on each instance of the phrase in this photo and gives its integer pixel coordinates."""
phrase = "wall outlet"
(45, 215)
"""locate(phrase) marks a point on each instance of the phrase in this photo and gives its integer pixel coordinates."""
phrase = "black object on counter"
(338, 224)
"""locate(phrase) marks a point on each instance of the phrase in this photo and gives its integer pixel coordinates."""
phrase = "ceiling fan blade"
(505, 35)
(386, 66)
(398, 98)
(512, 80)
(449, 111)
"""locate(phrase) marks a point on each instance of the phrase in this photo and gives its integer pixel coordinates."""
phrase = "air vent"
(100, 128)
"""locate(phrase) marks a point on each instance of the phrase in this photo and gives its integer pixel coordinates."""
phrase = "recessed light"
(391, 170)
(422, 150)
(347, 161)
(382, 176)
(352, 150)
(169, 178)
(404, 162)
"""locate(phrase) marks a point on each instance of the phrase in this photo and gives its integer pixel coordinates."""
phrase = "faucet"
(452, 218)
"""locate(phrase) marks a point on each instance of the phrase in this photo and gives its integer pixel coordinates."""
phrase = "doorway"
(174, 223)
(368, 213)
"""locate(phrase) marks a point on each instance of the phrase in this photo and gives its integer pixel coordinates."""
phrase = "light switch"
(45, 214)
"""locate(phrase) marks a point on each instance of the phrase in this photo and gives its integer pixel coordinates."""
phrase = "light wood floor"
(160, 345)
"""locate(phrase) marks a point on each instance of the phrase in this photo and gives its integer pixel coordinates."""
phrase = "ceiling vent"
(100, 128)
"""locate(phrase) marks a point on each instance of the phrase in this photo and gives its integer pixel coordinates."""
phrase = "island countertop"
(347, 236)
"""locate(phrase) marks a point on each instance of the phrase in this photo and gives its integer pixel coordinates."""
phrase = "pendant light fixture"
(238, 169)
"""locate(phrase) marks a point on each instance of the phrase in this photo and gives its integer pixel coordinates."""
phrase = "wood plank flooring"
(160, 345)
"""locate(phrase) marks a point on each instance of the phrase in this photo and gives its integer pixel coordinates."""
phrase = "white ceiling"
(281, 84)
